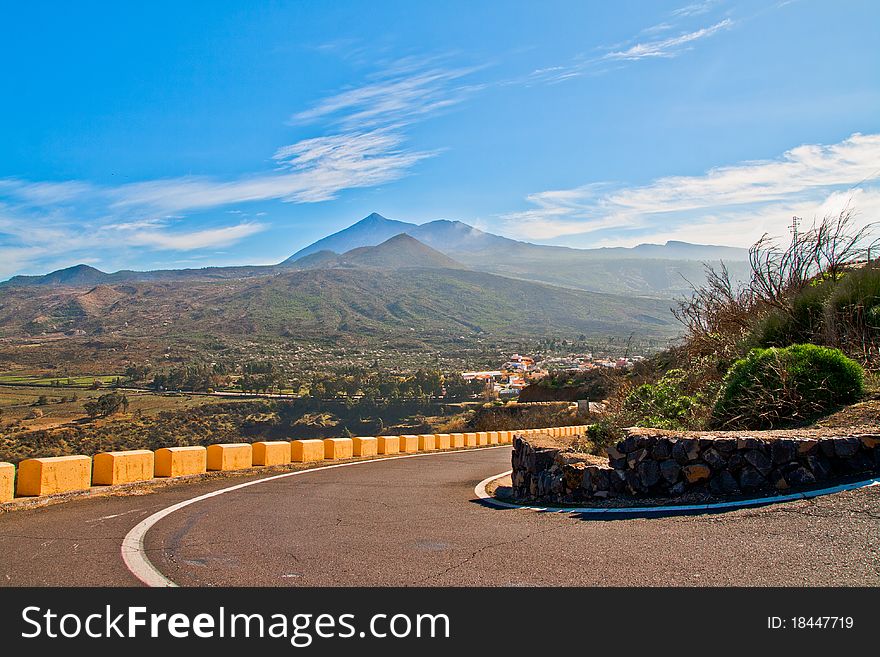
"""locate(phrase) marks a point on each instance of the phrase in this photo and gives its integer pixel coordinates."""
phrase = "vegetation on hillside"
(786, 347)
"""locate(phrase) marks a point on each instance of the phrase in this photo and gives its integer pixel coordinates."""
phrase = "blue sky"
(171, 134)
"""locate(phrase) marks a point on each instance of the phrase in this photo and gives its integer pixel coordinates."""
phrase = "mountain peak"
(399, 252)
(369, 231)
(373, 217)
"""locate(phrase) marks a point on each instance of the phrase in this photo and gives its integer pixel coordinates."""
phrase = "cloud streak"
(736, 203)
(366, 146)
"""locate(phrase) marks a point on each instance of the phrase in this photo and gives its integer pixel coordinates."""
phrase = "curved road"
(416, 521)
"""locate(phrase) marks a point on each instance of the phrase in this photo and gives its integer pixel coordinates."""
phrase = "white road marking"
(134, 552)
(483, 494)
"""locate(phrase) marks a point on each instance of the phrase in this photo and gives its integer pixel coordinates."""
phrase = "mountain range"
(401, 291)
(377, 282)
(662, 271)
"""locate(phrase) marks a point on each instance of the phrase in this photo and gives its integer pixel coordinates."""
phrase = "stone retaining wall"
(665, 464)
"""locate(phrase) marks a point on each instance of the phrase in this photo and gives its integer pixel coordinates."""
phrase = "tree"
(106, 405)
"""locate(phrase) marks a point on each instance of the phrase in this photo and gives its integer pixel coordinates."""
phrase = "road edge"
(133, 548)
(662, 511)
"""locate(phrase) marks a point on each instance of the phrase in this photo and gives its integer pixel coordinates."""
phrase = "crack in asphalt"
(483, 549)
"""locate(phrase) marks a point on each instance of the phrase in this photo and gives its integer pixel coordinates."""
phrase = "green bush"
(802, 323)
(662, 405)
(782, 386)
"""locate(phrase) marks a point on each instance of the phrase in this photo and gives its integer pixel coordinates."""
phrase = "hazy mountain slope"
(369, 231)
(430, 305)
(399, 252)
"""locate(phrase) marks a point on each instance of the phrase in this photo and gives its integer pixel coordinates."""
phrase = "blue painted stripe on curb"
(480, 491)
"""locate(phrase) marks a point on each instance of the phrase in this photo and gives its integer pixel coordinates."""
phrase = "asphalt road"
(416, 521)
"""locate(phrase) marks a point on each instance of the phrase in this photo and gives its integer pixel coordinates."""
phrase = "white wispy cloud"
(638, 47)
(364, 145)
(402, 93)
(199, 239)
(695, 9)
(670, 47)
(735, 203)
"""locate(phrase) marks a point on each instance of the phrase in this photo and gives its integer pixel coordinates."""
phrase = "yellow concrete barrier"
(427, 442)
(505, 437)
(306, 451)
(271, 452)
(57, 474)
(389, 444)
(338, 448)
(7, 482)
(230, 456)
(111, 468)
(179, 461)
(457, 440)
(409, 444)
(470, 439)
(482, 438)
(442, 441)
(493, 437)
(365, 446)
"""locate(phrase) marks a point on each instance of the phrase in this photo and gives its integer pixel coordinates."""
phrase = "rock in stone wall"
(664, 464)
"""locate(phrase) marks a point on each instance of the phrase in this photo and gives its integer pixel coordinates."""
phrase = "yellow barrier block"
(482, 438)
(365, 446)
(230, 456)
(179, 461)
(409, 444)
(338, 448)
(58, 474)
(7, 481)
(505, 437)
(306, 451)
(493, 437)
(389, 444)
(271, 452)
(111, 468)
(457, 440)
(427, 442)
(442, 441)
(470, 440)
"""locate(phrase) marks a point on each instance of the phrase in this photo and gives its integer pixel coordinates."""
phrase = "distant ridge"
(657, 270)
(400, 252)
(76, 276)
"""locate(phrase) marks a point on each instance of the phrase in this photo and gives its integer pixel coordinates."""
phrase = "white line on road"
(134, 552)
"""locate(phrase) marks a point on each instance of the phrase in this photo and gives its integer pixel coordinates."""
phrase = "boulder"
(799, 476)
(724, 483)
(807, 446)
(696, 473)
(678, 489)
(686, 450)
(870, 441)
(735, 462)
(634, 483)
(748, 442)
(759, 461)
(573, 475)
(819, 466)
(725, 445)
(635, 457)
(662, 449)
(649, 473)
(670, 470)
(713, 457)
(783, 450)
(845, 448)
(750, 479)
